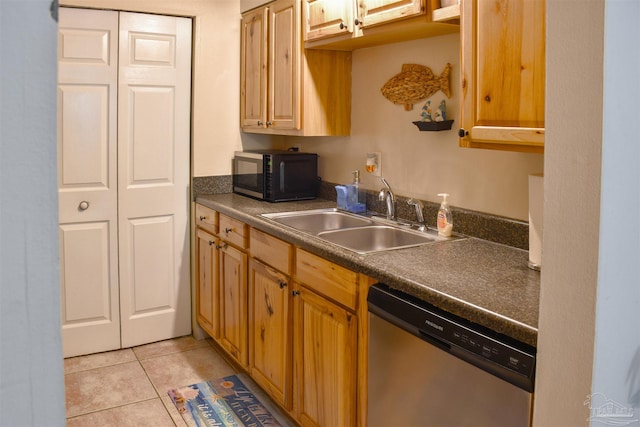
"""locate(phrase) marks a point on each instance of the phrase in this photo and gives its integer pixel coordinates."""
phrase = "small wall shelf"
(434, 126)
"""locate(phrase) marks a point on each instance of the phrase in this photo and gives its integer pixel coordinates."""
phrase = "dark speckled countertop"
(484, 282)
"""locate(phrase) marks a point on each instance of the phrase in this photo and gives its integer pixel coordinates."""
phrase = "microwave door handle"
(282, 189)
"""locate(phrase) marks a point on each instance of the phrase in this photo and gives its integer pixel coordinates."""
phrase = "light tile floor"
(129, 387)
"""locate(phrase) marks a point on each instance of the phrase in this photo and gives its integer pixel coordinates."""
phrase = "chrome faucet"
(419, 206)
(387, 195)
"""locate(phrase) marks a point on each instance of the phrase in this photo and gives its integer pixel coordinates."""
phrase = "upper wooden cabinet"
(353, 24)
(374, 12)
(503, 74)
(276, 72)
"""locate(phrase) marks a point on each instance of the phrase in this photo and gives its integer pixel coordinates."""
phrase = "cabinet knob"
(211, 242)
(283, 284)
(295, 293)
(83, 206)
(223, 246)
(462, 133)
(228, 230)
(259, 122)
(342, 26)
(357, 22)
(202, 217)
(269, 124)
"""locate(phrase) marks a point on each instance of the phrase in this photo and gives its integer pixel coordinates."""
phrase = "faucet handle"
(419, 206)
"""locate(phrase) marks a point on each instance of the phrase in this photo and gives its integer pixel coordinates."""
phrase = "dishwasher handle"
(442, 345)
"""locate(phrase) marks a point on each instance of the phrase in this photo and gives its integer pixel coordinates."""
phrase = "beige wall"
(421, 164)
(571, 212)
(216, 74)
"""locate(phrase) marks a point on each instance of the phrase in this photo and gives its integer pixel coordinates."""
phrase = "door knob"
(83, 206)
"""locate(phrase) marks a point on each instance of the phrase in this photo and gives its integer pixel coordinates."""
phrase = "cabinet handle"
(357, 22)
(223, 246)
(269, 124)
(260, 123)
(295, 293)
(228, 230)
(283, 284)
(202, 217)
(462, 133)
(211, 242)
(342, 26)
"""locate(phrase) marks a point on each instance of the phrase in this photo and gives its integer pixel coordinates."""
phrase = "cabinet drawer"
(206, 218)
(327, 278)
(233, 231)
(271, 250)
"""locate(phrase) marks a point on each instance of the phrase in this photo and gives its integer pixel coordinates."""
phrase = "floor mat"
(230, 401)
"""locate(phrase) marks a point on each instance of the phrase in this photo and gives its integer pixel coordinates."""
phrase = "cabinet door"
(374, 12)
(503, 74)
(269, 331)
(326, 18)
(253, 70)
(325, 348)
(207, 289)
(283, 111)
(233, 284)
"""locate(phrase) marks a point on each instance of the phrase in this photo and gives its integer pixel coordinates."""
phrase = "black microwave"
(276, 175)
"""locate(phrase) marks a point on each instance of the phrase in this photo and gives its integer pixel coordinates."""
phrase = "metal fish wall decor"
(415, 83)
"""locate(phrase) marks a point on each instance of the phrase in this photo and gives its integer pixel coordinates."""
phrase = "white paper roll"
(536, 202)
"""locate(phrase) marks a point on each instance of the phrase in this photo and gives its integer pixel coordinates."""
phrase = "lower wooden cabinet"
(233, 303)
(325, 361)
(270, 331)
(207, 289)
(297, 323)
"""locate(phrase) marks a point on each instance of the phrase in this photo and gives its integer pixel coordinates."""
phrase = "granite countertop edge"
(483, 282)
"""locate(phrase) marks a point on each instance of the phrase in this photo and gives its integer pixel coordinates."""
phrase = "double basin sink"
(357, 233)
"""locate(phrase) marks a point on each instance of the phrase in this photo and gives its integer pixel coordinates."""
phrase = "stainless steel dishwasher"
(430, 368)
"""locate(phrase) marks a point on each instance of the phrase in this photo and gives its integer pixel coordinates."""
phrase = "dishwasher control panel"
(502, 356)
(491, 349)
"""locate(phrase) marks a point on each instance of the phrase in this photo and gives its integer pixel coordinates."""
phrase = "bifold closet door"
(87, 180)
(123, 144)
(154, 104)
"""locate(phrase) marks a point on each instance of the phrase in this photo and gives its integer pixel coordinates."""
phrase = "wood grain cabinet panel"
(234, 231)
(207, 219)
(207, 283)
(325, 346)
(285, 90)
(270, 331)
(375, 12)
(271, 251)
(355, 24)
(503, 74)
(233, 291)
(327, 278)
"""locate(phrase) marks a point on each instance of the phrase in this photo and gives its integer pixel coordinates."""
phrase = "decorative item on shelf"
(415, 83)
(434, 120)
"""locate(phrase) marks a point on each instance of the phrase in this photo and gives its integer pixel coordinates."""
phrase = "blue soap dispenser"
(356, 196)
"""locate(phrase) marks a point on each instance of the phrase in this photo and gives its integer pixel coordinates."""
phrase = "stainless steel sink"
(378, 238)
(355, 232)
(317, 221)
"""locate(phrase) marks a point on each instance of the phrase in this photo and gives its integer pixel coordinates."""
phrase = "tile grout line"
(112, 407)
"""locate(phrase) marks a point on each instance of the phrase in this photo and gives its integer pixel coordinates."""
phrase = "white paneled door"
(123, 161)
